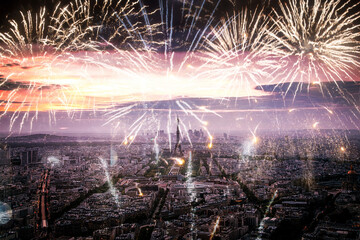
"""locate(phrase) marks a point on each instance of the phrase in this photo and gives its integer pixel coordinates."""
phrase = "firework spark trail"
(178, 161)
(118, 113)
(325, 52)
(336, 140)
(209, 111)
(168, 128)
(186, 133)
(192, 194)
(134, 131)
(156, 145)
(215, 227)
(253, 133)
(261, 227)
(57, 35)
(146, 119)
(72, 28)
(237, 53)
(113, 190)
(210, 137)
(248, 148)
(35, 96)
(19, 41)
(168, 62)
(139, 190)
(164, 160)
(77, 27)
(189, 110)
(317, 42)
(242, 46)
(202, 33)
(155, 62)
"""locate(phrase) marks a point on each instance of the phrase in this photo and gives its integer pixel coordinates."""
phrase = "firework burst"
(48, 46)
(79, 25)
(237, 52)
(317, 42)
(173, 58)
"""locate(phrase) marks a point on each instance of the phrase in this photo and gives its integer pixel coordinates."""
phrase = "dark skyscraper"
(28, 157)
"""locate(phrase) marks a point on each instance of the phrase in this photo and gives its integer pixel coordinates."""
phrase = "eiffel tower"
(177, 149)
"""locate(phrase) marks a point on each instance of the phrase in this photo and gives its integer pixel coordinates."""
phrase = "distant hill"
(40, 138)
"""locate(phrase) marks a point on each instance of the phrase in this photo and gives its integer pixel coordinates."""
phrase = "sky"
(124, 86)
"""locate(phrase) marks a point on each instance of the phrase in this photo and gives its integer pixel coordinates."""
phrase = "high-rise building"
(161, 134)
(28, 157)
(191, 133)
(4, 155)
(351, 182)
(225, 136)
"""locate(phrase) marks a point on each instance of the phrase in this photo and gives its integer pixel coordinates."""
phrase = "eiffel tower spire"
(178, 142)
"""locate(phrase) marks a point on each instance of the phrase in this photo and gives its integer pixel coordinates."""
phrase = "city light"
(315, 124)
(179, 161)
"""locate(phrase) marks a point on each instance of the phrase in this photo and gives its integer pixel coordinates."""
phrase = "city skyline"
(179, 120)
